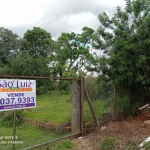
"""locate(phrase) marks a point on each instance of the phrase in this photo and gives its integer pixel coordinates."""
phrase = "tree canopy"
(72, 52)
(38, 42)
(9, 45)
(126, 40)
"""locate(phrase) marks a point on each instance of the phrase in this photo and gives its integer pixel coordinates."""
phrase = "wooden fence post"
(82, 82)
(76, 116)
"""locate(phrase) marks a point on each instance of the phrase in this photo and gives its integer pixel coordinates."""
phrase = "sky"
(54, 16)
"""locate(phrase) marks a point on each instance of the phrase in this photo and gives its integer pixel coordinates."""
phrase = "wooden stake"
(91, 107)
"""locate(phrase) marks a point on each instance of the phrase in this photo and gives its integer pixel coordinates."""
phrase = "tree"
(72, 51)
(126, 40)
(26, 64)
(9, 45)
(38, 42)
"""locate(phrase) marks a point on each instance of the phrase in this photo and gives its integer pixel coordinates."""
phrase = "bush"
(41, 90)
(65, 86)
(8, 118)
(122, 104)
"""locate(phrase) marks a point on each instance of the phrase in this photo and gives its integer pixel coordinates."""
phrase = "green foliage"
(105, 90)
(130, 146)
(133, 110)
(147, 146)
(8, 118)
(64, 146)
(65, 86)
(108, 143)
(92, 87)
(3, 68)
(100, 106)
(38, 42)
(68, 72)
(97, 88)
(122, 104)
(25, 64)
(72, 52)
(128, 49)
(9, 45)
(41, 90)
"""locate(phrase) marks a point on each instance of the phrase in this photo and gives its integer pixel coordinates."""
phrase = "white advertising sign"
(17, 94)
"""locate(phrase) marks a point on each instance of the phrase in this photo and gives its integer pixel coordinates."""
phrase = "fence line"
(37, 77)
(51, 141)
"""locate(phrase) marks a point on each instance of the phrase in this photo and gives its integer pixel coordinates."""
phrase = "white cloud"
(16, 12)
(55, 16)
(84, 17)
(78, 21)
(112, 3)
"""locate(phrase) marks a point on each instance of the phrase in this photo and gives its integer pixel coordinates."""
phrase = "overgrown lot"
(54, 108)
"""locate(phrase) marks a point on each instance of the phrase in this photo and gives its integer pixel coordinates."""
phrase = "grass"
(99, 107)
(54, 108)
(66, 144)
(29, 134)
(108, 143)
(51, 108)
(147, 146)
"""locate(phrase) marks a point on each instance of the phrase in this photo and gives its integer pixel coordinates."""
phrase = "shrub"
(41, 90)
(8, 118)
(122, 103)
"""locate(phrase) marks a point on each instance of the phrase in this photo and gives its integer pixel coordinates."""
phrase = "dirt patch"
(128, 131)
(59, 128)
(41, 124)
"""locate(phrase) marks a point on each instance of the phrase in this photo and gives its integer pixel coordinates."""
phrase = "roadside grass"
(28, 134)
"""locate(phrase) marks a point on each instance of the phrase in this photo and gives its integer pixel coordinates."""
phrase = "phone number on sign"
(24, 100)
